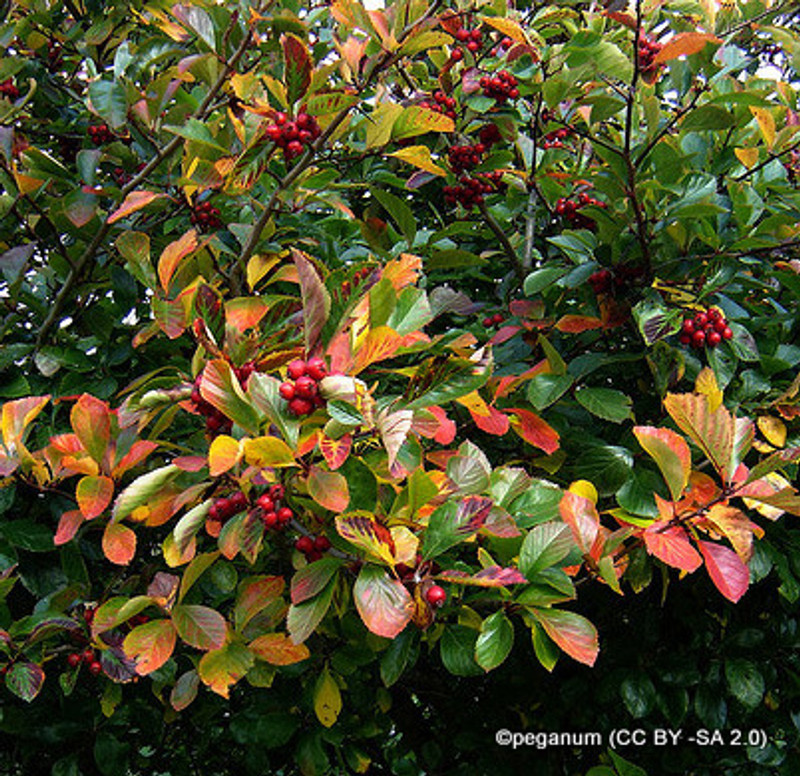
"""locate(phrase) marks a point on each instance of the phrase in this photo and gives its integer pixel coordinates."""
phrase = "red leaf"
(200, 626)
(91, 422)
(580, 514)
(119, 544)
(68, 526)
(138, 453)
(245, 312)
(328, 489)
(136, 200)
(671, 545)
(534, 430)
(172, 256)
(433, 423)
(495, 423)
(503, 334)
(298, 66)
(335, 451)
(573, 634)
(150, 645)
(316, 299)
(385, 605)
(726, 569)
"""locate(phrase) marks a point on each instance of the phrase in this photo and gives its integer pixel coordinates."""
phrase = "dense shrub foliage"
(365, 370)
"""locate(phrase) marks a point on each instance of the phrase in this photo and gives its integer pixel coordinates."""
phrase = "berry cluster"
(224, 508)
(121, 176)
(205, 216)
(556, 138)
(489, 134)
(8, 89)
(569, 209)
(303, 394)
(359, 277)
(273, 514)
(502, 47)
(216, 422)
(501, 87)
(100, 134)
(472, 40)
(465, 157)
(647, 52)
(74, 659)
(293, 136)
(469, 192)
(706, 328)
(313, 547)
(493, 320)
(441, 104)
(601, 281)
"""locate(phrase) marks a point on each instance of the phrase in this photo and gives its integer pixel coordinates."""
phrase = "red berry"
(270, 519)
(436, 595)
(688, 326)
(700, 320)
(300, 407)
(457, 55)
(497, 319)
(277, 491)
(720, 325)
(266, 503)
(95, 668)
(463, 35)
(88, 655)
(73, 659)
(322, 543)
(238, 502)
(713, 313)
(474, 46)
(699, 339)
(284, 515)
(727, 333)
(286, 391)
(223, 506)
(487, 321)
(296, 369)
(713, 339)
(88, 615)
(316, 368)
(685, 339)
(304, 544)
(305, 387)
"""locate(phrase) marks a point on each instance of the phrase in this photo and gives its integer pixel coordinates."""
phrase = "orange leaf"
(245, 312)
(173, 254)
(580, 514)
(379, 344)
(119, 543)
(433, 423)
(68, 526)
(575, 324)
(278, 649)
(138, 452)
(335, 451)
(221, 668)
(496, 423)
(17, 415)
(402, 272)
(150, 645)
(534, 430)
(225, 452)
(684, 44)
(94, 495)
(136, 200)
(670, 452)
(328, 489)
(573, 634)
(364, 531)
(91, 422)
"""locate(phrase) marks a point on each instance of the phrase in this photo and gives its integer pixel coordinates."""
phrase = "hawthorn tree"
(344, 347)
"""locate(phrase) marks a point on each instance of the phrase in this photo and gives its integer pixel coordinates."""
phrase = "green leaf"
(540, 279)
(297, 66)
(453, 523)
(546, 389)
(110, 754)
(399, 211)
(398, 656)
(344, 413)
(623, 767)
(303, 618)
(142, 490)
(25, 680)
(457, 647)
(605, 403)
(547, 653)
(607, 466)
(495, 641)
(745, 682)
(638, 694)
(544, 546)
(110, 101)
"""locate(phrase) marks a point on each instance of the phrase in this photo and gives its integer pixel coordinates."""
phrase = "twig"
(508, 248)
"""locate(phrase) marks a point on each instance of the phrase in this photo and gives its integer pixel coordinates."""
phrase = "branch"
(770, 158)
(508, 248)
(163, 153)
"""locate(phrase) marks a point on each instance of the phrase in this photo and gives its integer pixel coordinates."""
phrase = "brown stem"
(508, 248)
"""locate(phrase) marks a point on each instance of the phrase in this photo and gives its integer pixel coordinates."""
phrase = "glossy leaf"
(384, 603)
(671, 545)
(200, 626)
(224, 454)
(25, 679)
(726, 569)
(150, 645)
(534, 430)
(254, 595)
(119, 543)
(221, 668)
(670, 452)
(134, 202)
(316, 299)
(329, 490)
(221, 389)
(495, 641)
(313, 578)
(173, 255)
(573, 633)
(544, 546)
(366, 532)
(491, 576)
(91, 422)
(303, 617)
(142, 490)
(327, 699)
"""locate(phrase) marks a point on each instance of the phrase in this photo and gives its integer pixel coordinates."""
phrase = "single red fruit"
(685, 339)
(322, 543)
(720, 325)
(497, 319)
(73, 659)
(277, 491)
(300, 407)
(727, 333)
(457, 55)
(699, 339)
(305, 387)
(266, 503)
(436, 595)
(88, 615)
(238, 502)
(487, 321)
(713, 313)
(270, 519)
(688, 326)
(700, 320)
(95, 668)
(316, 369)
(304, 544)
(463, 35)
(88, 655)
(713, 339)
(285, 515)
(313, 556)
(286, 391)
(296, 369)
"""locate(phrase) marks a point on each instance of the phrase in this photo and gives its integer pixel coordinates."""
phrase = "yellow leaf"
(136, 200)
(585, 489)
(773, 429)
(224, 454)
(268, 451)
(327, 699)
(475, 404)
(747, 156)
(766, 123)
(706, 384)
(419, 156)
(405, 545)
(380, 123)
(259, 266)
(173, 254)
